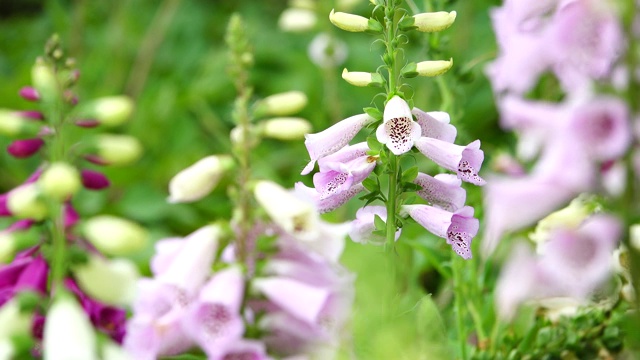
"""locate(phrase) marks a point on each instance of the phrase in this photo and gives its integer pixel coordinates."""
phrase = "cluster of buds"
(57, 286)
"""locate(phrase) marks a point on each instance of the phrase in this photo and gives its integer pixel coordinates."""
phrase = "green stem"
(457, 284)
(391, 200)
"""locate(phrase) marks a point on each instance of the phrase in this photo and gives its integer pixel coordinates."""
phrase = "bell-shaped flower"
(68, 333)
(458, 228)
(465, 160)
(337, 177)
(242, 349)
(443, 191)
(327, 51)
(363, 226)
(199, 179)
(398, 130)
(333, 139)
(435, 124)
(213, 320)
(330, 203)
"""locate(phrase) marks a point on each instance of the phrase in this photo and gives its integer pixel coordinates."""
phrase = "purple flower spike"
(465, 160)
(435, 125)
(29, 93)
(24, 148)
(398, 130)
(333, 139)
(442, 191)
(363, 226)
(94, 180)
(457, 228)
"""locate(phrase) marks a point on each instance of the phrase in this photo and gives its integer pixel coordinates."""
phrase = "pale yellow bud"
(349, 22)
(118, 149)
(285, 128)
(114, 236)
(434, 21)
(44, 81)
(68, 333)
(111, 111)
(360, 78)
(297, 20)
(14, 322)
(283, 104)
(199, 179)
(25, 202)
(110, 281)
(7, 247)
(433, 68)
(59, 181)
(10, 123)
(634, 236)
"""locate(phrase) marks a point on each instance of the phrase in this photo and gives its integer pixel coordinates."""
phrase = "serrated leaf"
(379, 223)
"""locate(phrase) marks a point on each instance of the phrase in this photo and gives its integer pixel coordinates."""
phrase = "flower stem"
(458, 281)
(391, 200)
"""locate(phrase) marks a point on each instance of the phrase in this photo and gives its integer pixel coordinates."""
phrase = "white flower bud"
(297, 20)
(283, 104)
(359, 78)
(634, 236)
(7, 350)
(199, 179)
(110, 111)
(59, 181)
(114, 236)
(433, 68)
(44, 81)
(11, 124)
(285, 128)
(24, 202)
(290, 213)
(110, 281)
(349, 22)
(68, 333)
(118, 149)
(434, 21)
(14, 322)
(7, 247)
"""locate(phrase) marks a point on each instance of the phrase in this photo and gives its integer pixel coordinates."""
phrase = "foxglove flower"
(465, 160)
(435, 124)
(331, 203)
(68, 334)
(458, 228)
(443, 190)
(363, 226)
(336, 177)
(398, 130)
(333, 139)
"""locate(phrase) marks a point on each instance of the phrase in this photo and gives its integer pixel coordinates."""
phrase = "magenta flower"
(94, 180)
(24, 148)
(398, 130)
(4, 210)
(458, 228)
(363, 226)
(435, 124)
(29, 93)
(443, 191)
(25, 272)
(333, 139)
(465, 160)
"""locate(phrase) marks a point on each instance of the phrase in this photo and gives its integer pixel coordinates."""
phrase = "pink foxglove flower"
(435, 124)
(458, 228)
(465, 160)
(398, 130)
(443, 190)
(363, 226)
(242, 350)
(331, 203)
(333, 139)
(336, 177)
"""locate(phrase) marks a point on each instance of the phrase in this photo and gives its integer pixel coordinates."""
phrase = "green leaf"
(370, 185)
(379, 223)
(374, 144)
(408, 187)
(410, 174)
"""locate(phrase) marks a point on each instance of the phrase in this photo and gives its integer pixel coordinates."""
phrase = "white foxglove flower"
(68, 334)
(398, 130)
(434, 21)
(115, 236)
(59, 181)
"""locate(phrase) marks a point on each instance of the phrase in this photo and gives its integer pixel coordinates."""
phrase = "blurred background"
(170, 57)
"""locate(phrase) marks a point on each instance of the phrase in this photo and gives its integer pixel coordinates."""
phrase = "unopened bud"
(29, 93)
(360, 78)
(118, 149)
(94, 180)
(431, 22)
(237, 137)
(109, 111)
(349, 22)
(110, 281)
(433, 68)
(114, 236)
(44, 81)
(282, 104)
(24, 148)
(13, 320)
(25, 202)
(7, 247)
(199, 179)
(285, 128)
(13, 124)
(68, 333)
(59, 181)
(297, 20)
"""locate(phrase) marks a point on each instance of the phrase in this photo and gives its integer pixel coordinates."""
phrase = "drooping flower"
(331, 203)
(363, 226)
(435, 124)
(398, 130)
(458, 228)
(443, 190)
(464, 160)
(337, 177)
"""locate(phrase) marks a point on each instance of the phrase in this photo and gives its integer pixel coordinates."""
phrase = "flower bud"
(24, 148)
(59, 181)
(349, 22)
(297, 20)
(29, 93)
(285, 128)
(7, 350)
(199, 179)
(114, 236)
(118, 149)
(237, 137)
(14, 322)
(24, 202)
(359, 78)
(109, 111)
(12, 124)
(94, 180)
(7, 248)
(431, 22)
(433, 68)
(68, 333)
(282, 104)
(44, 81)
(110, 281)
